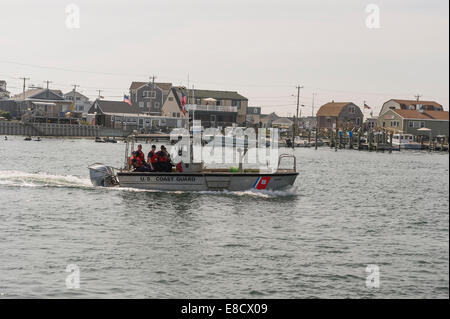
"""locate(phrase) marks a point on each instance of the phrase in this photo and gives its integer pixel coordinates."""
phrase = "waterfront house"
(342, 115)
(149, 96)
(107, 113)
(39, 105)
(82, 103)
(212, 108)
(118, 114)
(410, 121)
(172, 106)
(397, 104)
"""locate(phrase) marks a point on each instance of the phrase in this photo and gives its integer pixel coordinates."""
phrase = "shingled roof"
(32, 93)
(204, 94)
(332, 108)
(113, 107)
(438, 115)
(415, 102)
(425, 115)
(162, 86)
(411, 114)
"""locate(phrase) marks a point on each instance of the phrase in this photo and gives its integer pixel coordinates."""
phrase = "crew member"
(140, 153)
(152, 159)
(136, 163)
(164, 160)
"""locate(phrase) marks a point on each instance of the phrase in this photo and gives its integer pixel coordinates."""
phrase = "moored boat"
(405, 141)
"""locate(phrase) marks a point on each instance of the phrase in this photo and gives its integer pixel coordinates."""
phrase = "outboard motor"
(102, 175)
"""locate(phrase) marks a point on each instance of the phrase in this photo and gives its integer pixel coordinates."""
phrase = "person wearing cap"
(152, 158)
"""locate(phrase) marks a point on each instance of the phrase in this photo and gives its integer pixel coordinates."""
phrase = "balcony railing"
(213, 108)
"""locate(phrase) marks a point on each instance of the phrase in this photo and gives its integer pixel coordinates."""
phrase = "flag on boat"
(367, 107)
(261, 182)
(126, 99)
(183, 102)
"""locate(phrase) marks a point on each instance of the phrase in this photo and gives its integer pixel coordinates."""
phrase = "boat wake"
(42, 179)
(24, 179)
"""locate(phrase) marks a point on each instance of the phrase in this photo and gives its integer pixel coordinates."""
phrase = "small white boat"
(405, 141)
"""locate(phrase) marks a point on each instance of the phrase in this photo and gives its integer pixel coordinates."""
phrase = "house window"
(146, 94)
(422, 124)
(148, 105)
(237, 103)
(219, 102)
(352, 109)
(174, 114)
(395, 123)
(156, 105)
(153, 94)
(198, 101)
(170, 98)
(411, 124)
(141, 105)
(358, 121)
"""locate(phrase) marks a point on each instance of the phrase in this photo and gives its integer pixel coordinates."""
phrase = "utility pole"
(99, 94)
(298, 102)
(418, 96)
(48, 82)
(22, 105)
(152, 86)
(74, 97)
(24, 80)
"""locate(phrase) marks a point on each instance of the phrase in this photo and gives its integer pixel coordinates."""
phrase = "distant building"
(268, 119)
(172, 107)
(149, 97)
(4, 94)
(118, 114)
(105, 112)
(82, 103)
(371, 123)
(38, 105)
(253, 115)
(212, 108)
(343, 115)
(283, 123)
(308, 122)
(397, 104)
(410, 121)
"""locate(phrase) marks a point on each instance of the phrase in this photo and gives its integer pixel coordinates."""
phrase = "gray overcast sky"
(262, 49)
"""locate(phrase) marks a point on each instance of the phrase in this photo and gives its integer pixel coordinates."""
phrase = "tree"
(6, 115)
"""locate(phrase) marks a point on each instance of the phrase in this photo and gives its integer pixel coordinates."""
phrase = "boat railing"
(283, 156)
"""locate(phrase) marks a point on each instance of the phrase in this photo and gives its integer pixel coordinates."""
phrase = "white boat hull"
(206, 181)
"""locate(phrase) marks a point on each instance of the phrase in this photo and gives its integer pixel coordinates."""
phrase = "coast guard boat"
(195, 177)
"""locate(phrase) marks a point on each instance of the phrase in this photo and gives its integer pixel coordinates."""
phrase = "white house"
(82, 103)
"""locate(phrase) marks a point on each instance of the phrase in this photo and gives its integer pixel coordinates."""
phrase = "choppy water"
(348, 209)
